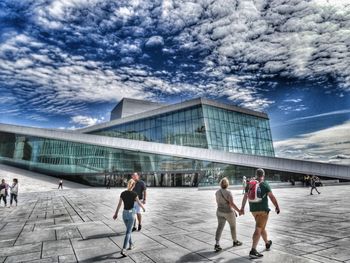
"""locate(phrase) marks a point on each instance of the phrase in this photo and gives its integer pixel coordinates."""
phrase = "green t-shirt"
(264, 204)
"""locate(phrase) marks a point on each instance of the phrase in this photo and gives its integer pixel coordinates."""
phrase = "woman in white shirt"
(14, 191)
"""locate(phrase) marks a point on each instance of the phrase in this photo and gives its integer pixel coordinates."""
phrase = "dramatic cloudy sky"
(66, 63)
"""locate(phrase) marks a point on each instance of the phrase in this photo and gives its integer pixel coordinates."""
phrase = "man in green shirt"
(260, 210)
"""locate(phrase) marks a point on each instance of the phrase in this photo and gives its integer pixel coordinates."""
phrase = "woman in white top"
(14, 191)
(225, 212)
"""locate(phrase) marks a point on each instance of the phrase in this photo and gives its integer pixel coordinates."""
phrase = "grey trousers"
(222, 218)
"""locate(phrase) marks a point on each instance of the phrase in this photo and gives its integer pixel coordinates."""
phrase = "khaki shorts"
(261, 218)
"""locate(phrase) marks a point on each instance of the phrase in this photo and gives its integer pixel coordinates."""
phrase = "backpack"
(254, 191)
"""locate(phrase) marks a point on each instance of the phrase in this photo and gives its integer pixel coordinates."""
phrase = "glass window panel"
(188, 115)
(181, 115)
(176, 117)
(195, 114)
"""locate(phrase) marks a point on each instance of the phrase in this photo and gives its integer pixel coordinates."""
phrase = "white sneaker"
(123, 252)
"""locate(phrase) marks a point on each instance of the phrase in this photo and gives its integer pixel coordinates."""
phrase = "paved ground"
(75, 225)
(33, 182)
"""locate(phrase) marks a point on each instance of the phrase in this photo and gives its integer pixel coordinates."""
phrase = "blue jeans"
(128, 218)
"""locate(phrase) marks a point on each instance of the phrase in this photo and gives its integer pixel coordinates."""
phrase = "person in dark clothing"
(60, 184)
(4, 191)
(108, 182)
(128, 198)
(313, 185)
(140, 189)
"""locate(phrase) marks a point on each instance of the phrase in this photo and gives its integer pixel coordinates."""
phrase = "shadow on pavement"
(103, 236)
(110, 256)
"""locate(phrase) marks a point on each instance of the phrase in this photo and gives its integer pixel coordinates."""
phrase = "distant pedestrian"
(257, 192)
(108, 182)
(128, 198)
(60, 184)
(313, 185)
(225, 212)
(14, 191)
(140, 189)
(244, 184)
(4, 191)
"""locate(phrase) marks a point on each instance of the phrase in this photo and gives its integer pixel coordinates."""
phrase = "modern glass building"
(193, 143)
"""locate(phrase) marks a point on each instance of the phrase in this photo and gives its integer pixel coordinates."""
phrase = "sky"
(66, 63)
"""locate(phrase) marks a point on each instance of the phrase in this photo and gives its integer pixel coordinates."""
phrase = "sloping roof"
(273, 163)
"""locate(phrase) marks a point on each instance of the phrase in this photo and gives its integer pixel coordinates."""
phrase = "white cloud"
(77, 51)
(85, 120)
(331, 113)
(293, 100)
(155, 41)
(327, 145)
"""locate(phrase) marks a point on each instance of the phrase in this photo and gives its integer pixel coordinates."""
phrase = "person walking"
(140, 189)
(257, 192)
(128, 198)
(313, 181)
(60, 184)
(225, 212)
(4, 191)
(14, 191)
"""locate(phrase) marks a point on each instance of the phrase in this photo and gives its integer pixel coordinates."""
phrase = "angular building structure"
(192, 143)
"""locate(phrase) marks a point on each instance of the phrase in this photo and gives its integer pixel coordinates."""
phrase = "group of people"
(256, 192)
(6, 190)
(134, 199)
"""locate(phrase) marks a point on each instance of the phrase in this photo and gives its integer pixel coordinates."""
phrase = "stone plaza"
(76, 225)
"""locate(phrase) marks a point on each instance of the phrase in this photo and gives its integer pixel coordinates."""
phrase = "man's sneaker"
(255, 254)
(268, 245)
(123, 253)
(133, 229)
(139, 228)
(217, 248)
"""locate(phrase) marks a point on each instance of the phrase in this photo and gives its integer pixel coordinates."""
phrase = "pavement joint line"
(148, 256)
(192, 252)
(74, 209)
(69, 214)
(42, 249)
(154, 239)
(26, 222)
(75, 255)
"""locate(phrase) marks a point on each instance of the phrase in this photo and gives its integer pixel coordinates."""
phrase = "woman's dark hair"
(15, 180)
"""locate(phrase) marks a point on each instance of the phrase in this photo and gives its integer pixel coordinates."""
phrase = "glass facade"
(236, 132)
(202, 126)
(92, 164)
(183, 127)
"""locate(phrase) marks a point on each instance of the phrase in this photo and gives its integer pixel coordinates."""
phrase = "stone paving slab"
(179, 226)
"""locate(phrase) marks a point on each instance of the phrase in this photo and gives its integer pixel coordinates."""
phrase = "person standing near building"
(225, 212)
(140, 189)
(14, 191)
(108, 182)
(60, 184)
(4, 191)
(313, 185)
(244, 183)
(128, 198)
(257, 192)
